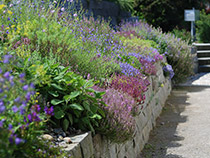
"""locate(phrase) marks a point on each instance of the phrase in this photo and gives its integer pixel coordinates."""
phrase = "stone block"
(112, 151)
(141, 121)
(74, 149)
(100, 145)
(87, 146)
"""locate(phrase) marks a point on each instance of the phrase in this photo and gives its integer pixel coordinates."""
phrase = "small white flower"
(55, 2)
(52, 11)
(75, 15)
(11, 5)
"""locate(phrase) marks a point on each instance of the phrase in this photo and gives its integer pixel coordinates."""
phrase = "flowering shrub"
(118, 124)
(177, 51)
(134, 86)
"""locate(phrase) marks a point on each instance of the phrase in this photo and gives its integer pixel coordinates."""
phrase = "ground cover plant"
(62, 69)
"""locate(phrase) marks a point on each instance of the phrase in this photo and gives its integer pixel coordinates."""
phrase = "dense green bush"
(203, 28)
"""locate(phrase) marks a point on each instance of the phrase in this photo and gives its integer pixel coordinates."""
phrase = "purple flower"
(1, 90)
(32, 85)
(7, 58)
(2, 107)
(168, 69)
(17, 99)
(22, 75)
(18, 141)
(6, 75)
(35, 117)
(10, 127)
(15, 109)
(22, 109)
(49, 111)
(28, 96)
(129, 70)
(25, 87)
(29, 117)
(2, 122)
(11, 139)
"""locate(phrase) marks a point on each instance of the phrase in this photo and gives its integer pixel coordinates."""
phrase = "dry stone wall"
(99, 147)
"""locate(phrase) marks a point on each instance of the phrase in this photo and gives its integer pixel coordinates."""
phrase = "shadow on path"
(164, 135)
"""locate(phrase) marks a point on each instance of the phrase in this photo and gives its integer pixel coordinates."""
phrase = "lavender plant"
(119, 123)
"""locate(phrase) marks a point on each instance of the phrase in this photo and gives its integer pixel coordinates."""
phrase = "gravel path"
(183, 129)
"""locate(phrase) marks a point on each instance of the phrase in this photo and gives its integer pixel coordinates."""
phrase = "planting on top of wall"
(71, 71)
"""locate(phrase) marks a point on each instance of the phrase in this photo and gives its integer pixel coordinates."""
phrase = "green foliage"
(68, 93)
(97, 66)
(182, 34)
(203, 27)
(135, 42)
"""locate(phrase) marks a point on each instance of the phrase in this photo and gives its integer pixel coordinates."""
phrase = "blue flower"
(28, 96)
(129, 70)
(22, 109)
(18, 141)
(168, 69)
(25, 87)
(17, 99)
(22, 75)
(10, 127)
(2, 122)
(15, 109)
(6, 75)
(7, 58)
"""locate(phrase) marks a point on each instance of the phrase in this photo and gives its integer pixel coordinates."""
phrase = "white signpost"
(192, 15)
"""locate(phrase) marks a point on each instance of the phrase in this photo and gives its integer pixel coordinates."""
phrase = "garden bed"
(99, 147)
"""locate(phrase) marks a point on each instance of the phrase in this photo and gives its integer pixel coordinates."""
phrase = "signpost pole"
(192, 27)
(192, 31)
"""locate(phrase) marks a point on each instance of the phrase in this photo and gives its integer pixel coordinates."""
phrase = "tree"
(166, 14)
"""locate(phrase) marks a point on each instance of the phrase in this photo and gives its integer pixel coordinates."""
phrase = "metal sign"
(191, 15)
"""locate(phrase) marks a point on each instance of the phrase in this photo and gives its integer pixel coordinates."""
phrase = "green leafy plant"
(203, 27)
(68, 93)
